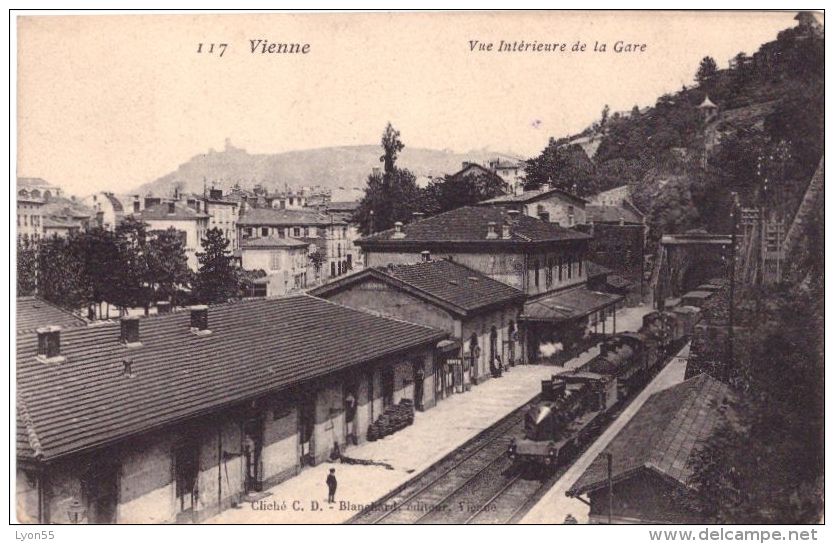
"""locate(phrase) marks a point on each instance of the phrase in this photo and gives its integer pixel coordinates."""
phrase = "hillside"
(341, 169)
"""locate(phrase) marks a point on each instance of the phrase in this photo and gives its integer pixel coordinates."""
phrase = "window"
(536, 273)
(264, 231)
(570, 216)
(548, 273)
(306, 232)
(333, 269)
(570, 266)
(561, 264)
(296, 232)
(275, 260)
(579, 258)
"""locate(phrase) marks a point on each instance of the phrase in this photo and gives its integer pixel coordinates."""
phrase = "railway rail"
(475, 484)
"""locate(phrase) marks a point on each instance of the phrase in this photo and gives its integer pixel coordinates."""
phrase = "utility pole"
(731, 333)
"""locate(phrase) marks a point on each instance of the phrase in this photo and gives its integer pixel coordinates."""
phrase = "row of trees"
(129, 267)
(392, 195)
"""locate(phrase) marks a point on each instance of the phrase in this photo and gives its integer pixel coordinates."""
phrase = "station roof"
(661, 436)
(255, 347)
(595, 213)
(565, 305)
(467, 227)
(33, 312)
(452, 286)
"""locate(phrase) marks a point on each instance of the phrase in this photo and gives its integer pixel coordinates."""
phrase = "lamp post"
(76, 512)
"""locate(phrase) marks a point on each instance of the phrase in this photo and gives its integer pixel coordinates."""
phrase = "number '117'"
(212, 48)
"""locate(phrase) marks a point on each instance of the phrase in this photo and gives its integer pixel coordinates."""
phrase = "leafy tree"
(564, 167)
(27, 267)
(317, 259)
(392, 195)
(451, 192)
(62, 273)
(706, 69)
(217, 278)
(167, 264)
(673, 211)
(132, 286)
(765, 463)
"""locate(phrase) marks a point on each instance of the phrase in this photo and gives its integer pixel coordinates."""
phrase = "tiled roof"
(342, 206)
(661, 436)
(67, 208)
(456, 287)
(529, 196)
(33, 312)
(59, 223)
(255, 347)
(470, 224)
(273, 216)
(610, 214)
(563, 305)
(160, 212)
(270, 242)
(33, 183)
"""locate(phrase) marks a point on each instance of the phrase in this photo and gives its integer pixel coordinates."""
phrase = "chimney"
(417, 216)
(136, 204)
(199, 318)
(215, 194)
(492, 232)
(163, 307)
(172, 208)
(426, 255)
(129, 330)
(398, 230)
(49, 343)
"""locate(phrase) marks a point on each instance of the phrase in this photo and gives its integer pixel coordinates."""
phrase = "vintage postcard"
(419, 268)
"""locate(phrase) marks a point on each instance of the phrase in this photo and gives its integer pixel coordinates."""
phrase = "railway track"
(475, 484)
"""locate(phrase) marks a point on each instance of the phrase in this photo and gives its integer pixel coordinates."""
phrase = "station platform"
(397, 458)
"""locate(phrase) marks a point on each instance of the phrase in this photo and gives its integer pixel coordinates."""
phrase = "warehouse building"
(174, 417)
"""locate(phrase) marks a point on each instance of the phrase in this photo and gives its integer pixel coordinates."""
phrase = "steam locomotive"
(574, 405)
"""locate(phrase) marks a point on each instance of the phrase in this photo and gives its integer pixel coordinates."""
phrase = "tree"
(706, 69)
(452, 192)
(167, 264)
(390, 196)
(217, 278)
(565, 167)
(132, 286)
(27, 267)
(62, 273)
(317, 259)
(604, 117)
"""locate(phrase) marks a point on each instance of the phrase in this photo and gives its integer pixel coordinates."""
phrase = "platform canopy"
(567, 305)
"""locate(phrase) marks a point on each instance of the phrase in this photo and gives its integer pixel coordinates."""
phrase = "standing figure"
(331, 486)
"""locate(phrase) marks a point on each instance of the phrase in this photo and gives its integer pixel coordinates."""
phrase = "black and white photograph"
(419, 267)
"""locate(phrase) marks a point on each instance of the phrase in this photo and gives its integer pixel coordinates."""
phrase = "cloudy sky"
(110, 102)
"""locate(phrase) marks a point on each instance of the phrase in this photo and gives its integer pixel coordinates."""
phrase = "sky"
(108, 102)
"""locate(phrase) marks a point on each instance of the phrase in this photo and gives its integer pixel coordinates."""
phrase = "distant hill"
(341, 169)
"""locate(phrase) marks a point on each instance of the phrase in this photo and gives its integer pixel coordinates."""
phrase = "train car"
(687, 318)
(696, 298)
(569, 413)
(622, 357)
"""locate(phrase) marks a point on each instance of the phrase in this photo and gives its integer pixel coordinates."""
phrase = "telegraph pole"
(610, 458)
(731, 333)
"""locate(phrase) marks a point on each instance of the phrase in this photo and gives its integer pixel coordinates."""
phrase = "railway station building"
(545, 261)
(174, 417)
(650, 456)
(479, 313)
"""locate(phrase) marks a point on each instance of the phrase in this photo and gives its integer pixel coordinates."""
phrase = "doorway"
(186, 470)
(419, 380)
(307, 424)
(253, 442)
(100, 486)
(387, 387)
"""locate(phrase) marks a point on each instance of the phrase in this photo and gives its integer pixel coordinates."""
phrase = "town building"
(62, 216)
(479, 313)
(286, 200)
(611, 197)
(188, 222)
(511, 171)
(223, 213)
(649, 457)
(175, 417)
(331, 235)
(108, 209)
(29, 217)
(545, 261)
(37, 188)
(546, 203)
(284, 260)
